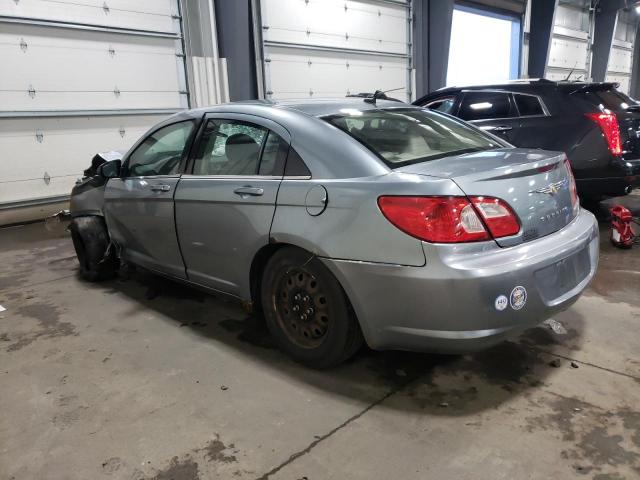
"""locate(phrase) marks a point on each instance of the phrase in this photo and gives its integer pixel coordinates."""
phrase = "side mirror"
(110, 169)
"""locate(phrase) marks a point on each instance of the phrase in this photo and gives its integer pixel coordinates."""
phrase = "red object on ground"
(622, 235)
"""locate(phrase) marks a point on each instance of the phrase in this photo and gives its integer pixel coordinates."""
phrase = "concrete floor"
(145, 379)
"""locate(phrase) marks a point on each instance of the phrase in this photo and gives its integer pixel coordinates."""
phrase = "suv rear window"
(402, 136)
(611, 99)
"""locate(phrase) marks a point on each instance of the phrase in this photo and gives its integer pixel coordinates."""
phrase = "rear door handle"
(162, 187)
(500, 128)
(249, 191)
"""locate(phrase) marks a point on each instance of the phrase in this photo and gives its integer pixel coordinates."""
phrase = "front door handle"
(500, 128)
(249, 191)
(162, 187)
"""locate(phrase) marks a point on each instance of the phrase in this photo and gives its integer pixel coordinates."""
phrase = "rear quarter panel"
(352, 227)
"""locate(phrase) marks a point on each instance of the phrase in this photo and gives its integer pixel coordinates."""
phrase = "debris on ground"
(443, 404)
(555, 363)
(574, 365)
(556, 326)
(224, 387)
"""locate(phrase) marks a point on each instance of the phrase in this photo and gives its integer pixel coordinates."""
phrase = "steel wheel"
(306, 310)
(301, 308)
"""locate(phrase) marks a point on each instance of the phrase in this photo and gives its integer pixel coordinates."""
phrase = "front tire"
(91, 242)
(306, 310)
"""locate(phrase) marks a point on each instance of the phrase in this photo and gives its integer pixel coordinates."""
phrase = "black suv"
(597, 126)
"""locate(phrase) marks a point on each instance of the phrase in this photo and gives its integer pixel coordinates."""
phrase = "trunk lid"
(536, 184)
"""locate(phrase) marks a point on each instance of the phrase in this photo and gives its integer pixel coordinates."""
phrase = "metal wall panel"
(325, 48)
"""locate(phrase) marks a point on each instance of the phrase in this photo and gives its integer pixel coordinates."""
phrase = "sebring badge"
(552, 188)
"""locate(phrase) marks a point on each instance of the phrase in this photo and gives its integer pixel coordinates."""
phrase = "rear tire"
(91, 242)
(306, 310)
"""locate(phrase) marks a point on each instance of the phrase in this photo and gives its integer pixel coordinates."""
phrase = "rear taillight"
(450, 219)
(608, 123)
(573, 189)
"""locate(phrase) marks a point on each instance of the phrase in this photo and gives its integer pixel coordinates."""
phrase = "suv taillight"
(450, 219)
(608, 123)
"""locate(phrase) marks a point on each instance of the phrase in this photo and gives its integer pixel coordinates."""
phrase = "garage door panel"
(336, 23)
(94, 100)
(299, 74)
(623, 80)
(151, 16)
(90, 70)
(312, 48)
(568, 53)
(59, 148)
(29, 189)
(620, 60)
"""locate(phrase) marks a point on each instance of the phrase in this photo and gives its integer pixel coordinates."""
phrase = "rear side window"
(528, 105)
(485, 105)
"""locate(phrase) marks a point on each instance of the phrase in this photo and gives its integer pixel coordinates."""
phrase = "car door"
(138, 207)
(492, 111)
(225, 204)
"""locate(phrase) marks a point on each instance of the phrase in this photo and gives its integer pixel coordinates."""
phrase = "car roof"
(523, 85)
(312, 107)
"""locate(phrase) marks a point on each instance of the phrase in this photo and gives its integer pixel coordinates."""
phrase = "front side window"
(442, 104)
(404, 135)
(528, 105)
(485, 105)
(229, 147)
(161, 152)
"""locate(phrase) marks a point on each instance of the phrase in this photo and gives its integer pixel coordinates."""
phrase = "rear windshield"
(402, 136)
(613, 100)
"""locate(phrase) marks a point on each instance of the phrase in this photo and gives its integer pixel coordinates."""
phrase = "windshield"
(402, 136)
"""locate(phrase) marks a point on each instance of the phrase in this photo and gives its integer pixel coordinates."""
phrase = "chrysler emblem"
(552, 188)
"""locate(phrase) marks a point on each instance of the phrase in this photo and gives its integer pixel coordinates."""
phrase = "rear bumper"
(625, 175)
(449, 305)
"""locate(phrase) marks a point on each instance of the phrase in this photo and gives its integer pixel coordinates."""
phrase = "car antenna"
(379, 94)
(571, 72)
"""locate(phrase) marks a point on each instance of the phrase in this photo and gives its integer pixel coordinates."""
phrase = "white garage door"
(332, 48)
(79, 77)
(621, 55)
(569, 56)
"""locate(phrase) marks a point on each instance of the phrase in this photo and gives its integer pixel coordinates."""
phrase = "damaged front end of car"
(87, 196)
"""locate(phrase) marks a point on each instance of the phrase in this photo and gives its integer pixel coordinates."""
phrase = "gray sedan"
(343, 221)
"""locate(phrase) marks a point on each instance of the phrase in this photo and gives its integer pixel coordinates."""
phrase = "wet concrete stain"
(179, 469)
(216, 451)
(111, 465)
(49, 325)
(598, 438)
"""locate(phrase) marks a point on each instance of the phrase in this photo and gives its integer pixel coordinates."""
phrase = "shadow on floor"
(445, 385)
